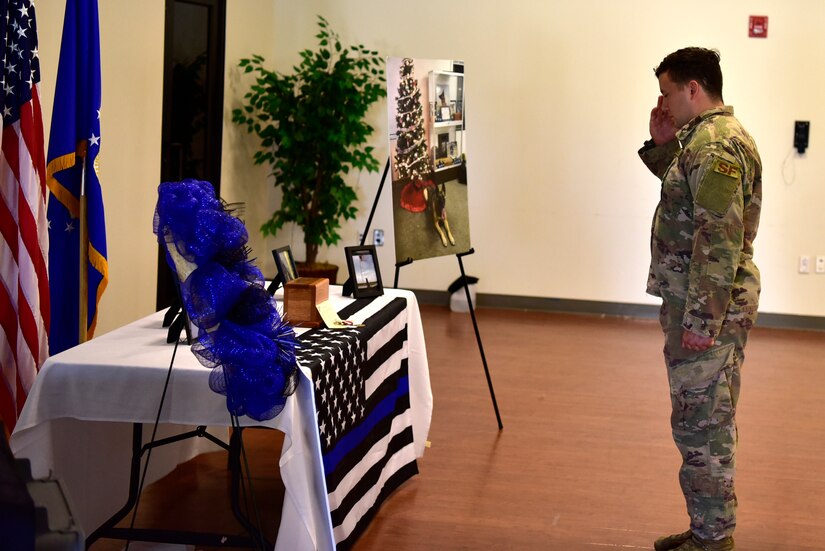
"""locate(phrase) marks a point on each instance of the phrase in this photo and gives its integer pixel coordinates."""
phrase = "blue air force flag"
(74, 144)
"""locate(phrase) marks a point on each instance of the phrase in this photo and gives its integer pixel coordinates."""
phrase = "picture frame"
(285, 263)
(457, 109)
(364, 271)
(446, 113)
(443, 141)
(441, 94)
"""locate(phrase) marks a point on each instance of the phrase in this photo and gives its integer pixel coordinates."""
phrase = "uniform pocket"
(719, 184)
(700, 388)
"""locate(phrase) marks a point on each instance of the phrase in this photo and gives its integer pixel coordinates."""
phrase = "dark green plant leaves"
(312, 130)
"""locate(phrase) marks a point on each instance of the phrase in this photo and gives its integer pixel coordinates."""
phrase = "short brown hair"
(699, 64)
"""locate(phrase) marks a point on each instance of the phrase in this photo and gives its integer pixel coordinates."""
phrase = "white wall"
(249, 29)
(132, 43)
(558, 96)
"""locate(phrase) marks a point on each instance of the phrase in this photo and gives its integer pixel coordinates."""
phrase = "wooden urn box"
(301, 296)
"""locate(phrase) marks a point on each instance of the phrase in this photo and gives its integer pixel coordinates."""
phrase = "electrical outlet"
(804, 264)
(378, 237)
(820, 264)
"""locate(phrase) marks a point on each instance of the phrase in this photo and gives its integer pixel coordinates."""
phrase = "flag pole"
(83, 306)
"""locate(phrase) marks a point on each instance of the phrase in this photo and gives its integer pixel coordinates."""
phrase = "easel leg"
(237, 488)
(349, 284)
(277, 281)
(398, 267)
(478, 336)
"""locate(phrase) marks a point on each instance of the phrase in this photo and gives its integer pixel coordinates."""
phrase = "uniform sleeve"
(715, 180)
(657, 158)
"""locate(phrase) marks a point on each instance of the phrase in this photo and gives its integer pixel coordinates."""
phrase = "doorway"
(193, 73)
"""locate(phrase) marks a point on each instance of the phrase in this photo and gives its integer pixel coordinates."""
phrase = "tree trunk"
(312, 253)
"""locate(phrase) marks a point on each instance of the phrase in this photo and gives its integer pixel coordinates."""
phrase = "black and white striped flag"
(362, 399)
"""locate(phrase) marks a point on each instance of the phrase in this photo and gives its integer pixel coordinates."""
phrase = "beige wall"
(558, 97)
(131, 45)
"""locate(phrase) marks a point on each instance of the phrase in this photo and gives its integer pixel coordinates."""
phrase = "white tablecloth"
(77, 421)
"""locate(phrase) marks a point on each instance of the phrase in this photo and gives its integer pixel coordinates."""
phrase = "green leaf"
(311, 130)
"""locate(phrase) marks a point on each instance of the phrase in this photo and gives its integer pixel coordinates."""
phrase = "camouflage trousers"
(704, 390)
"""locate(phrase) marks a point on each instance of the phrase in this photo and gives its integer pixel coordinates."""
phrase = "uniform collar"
(686, 130)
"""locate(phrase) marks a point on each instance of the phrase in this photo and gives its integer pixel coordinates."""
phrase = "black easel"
(277, 281)
(348, 289)
(398, 266)
(176, 319)
(408, 261)
(348, 284)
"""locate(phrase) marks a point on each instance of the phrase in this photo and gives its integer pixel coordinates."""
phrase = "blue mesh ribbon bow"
(241, 337)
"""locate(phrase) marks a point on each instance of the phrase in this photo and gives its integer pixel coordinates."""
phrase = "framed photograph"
(443, 141)
(457, 109)
(364, 272)
(442, 92)
(423, 229)
(285, 264)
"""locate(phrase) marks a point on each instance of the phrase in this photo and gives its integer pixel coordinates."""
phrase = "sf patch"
(719, 185)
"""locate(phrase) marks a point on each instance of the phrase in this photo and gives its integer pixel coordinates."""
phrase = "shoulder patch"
(726, 168)
(719, 185)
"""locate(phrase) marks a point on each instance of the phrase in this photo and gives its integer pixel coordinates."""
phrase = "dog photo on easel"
(429, 164)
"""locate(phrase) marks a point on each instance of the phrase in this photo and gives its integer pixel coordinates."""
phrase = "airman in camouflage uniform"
(702, 267)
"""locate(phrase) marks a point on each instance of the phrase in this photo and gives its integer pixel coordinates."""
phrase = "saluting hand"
(662, 128)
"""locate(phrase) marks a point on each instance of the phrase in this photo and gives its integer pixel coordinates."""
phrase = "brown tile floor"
(585, 460)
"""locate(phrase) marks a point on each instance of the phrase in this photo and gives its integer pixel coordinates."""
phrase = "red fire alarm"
(758, 26)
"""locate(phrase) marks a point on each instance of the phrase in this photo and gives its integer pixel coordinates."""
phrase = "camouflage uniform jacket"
(706, 221)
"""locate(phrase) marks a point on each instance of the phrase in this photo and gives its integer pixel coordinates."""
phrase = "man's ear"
(693, 88)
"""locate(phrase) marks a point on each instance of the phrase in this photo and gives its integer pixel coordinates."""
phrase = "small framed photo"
(441, 92)
(446, 113)
(285, 264)
(443, 141)
(452, 150)
(364, 272)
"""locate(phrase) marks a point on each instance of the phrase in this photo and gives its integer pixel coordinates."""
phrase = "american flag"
(24, 294)
(362, 399)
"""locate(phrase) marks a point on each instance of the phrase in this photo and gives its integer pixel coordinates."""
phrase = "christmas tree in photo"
(411, 159)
